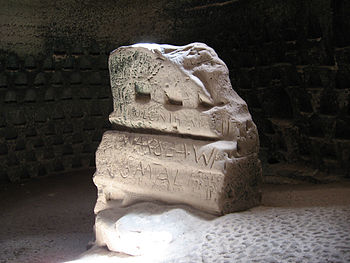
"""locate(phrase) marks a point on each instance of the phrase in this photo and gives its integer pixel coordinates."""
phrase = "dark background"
(289, 59)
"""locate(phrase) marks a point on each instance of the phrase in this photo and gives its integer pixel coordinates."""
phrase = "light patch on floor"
(50, 220)
(262, 234)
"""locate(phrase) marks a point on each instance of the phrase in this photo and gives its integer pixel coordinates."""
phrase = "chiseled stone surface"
(179, 90)
(204, 174)
(182, 134)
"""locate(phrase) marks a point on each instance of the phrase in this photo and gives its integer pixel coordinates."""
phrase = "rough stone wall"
(55, 94)
(37, 26)
(289, 59)
(53, 111)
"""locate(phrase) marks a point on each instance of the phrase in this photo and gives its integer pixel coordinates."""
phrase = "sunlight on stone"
(184, 149)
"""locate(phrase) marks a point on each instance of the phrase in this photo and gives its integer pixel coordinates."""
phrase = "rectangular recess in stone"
(66, 94)
(84, 63)
(48, 64)
(95, 78)
(68, 63)
(50, 94)
(77, 138)
(76, 112)
(50, 129)
(11, 133)
(20, 145)
(67, 128)
(58, 114)
(2, 120)
(67, 149)
(85, 94)
(3, 149)
(12, 62)
(49, 153)
(88, 126)
(57, 140)
(31, 156)
(38, 143)
(29, 63)
(95, 109)
(3, 80)
(30, 95)
(12, 159)
(75, 78)
(17, 117)
(10, 96)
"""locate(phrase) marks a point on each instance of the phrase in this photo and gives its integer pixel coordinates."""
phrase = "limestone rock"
(182, 136)
(148, 229)
(179, 90)
(208, 175)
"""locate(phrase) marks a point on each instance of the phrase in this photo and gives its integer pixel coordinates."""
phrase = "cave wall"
(290, 60)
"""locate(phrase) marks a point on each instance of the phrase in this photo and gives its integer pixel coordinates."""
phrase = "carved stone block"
(183, 135)
(208, 175)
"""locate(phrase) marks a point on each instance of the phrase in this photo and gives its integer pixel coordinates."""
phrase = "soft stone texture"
(193, 140)
(262, 234)
(204, 174)
(179, 90)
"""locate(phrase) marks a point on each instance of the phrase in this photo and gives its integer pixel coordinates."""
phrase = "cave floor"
(51, 220)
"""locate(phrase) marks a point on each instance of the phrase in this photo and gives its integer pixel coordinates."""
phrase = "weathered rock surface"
(179, 90)
(183, 136)
(204, 174)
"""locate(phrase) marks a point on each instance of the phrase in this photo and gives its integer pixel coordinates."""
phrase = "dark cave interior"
(288, 59)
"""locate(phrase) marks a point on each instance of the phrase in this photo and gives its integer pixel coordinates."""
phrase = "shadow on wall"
(289, 60)
(55, 108)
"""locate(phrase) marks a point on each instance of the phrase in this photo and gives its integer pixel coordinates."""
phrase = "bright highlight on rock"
(182, 134)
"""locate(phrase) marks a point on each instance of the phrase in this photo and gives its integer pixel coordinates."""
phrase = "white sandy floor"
(50, 220)
(262, 234)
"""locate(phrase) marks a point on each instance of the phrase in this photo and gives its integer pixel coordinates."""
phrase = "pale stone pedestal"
(206, 175)
(182, 136)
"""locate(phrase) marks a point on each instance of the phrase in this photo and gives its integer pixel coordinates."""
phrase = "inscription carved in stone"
(170, 169)
(181, 134)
